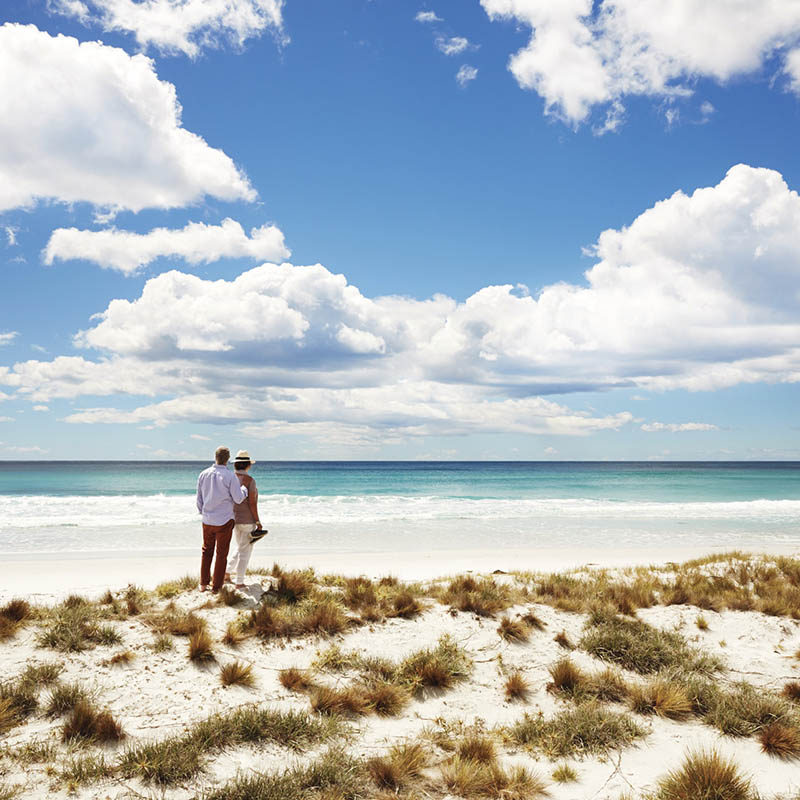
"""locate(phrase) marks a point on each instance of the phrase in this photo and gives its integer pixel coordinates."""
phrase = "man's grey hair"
(222, 455)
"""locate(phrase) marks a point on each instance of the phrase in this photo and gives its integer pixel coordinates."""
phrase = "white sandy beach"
(160, 694)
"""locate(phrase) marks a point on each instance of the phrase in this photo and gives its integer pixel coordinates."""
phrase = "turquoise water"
(323, 506)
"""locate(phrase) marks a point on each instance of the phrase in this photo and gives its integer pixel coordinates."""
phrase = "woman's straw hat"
(243, 455)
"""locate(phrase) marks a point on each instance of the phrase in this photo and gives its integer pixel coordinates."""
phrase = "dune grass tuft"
(564, 773)
(399, 767)
(744, 710)
(162, 643)
(476, 747)
(13, 616)
(705, 776)
(635, 645)
(567, 677)
(120, 659)
(86, 769)
(387, 699)
(170, 589)
(791, 691)
(517, 687)
(229, 597)
(64, 697)
(585, 730)
(173, 760)
(469, 778)
(329, 700)
(481, 596)
(514, 630)
(563, 641)
(435, 668)
(662, 697)
(171, 620)
(74, 625)
(701, 622)
(780, 739)
(237, 674)
(295, 680)
(87, 723)
(201, 649)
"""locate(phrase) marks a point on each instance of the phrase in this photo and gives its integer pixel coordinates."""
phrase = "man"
(247, 528)
(217, 490)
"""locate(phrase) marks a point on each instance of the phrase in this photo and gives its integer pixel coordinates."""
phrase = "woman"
(247, 529)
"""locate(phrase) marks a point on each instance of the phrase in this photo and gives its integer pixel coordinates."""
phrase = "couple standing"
(228, 503)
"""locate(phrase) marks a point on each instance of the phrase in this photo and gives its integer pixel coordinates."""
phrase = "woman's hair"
(241, 464)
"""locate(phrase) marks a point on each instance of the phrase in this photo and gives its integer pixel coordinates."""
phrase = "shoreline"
(51, 576)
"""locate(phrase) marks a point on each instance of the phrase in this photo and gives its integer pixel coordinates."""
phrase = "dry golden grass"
(405, 606)
(662, 697)
(85, 722)
(705, 776)
(350, 700)
(237, 674)
(477, 748)
(562, 640)
(533, 621)
(781, 740)
(120, 659)
(315, 615)
(564, 773)
(517, 687)
(469, 778)
(481, 596)
(200, 648)
(608, 685)
(791, 690)
(12, 616)
(400, 767)
(567, 678)
(174, 621)
(514, 630)
(229, 597)
(233, 635)
(295, 680)
(293, 585)
(701, 622)
(387, 699)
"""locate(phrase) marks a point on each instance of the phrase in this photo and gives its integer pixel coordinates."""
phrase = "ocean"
(320, 507)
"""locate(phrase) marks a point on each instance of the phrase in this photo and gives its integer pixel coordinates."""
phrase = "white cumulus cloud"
(583, 54)
(84, 122)
(7, 337)
(427, 16)
(451, 45)
(678, 427)
(196, 243)
(466, 74)
(701, 291)
(180, 26)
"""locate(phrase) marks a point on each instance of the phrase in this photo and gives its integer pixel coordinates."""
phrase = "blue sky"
(347, 122)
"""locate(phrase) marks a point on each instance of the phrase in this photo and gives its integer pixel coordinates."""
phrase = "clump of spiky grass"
(481, 596)
(334, 776)
(120, 659)
(640, 647)
(170, 589)
(234, 635)
(173, 621)
(86, 769)
(328, 700)
(237, 674)
(404, 605)
(477, 747)
(469, 778)
(399, 767)
(567, 678)
(587, 729)
(90, 724)
(12, 617)
(781, 740)
(563, 641)
(662, 697)
(64, 697)
(744, 710)
(517, 687)
(73, 626)
(435, 668)
(229, 597)
(135, 599)
(514, 630)
(608, 685)
(705, 776)
(564, 773)
(293, 585)
(320, 615)
(334, 659)
(162, 642)
(701, 622)
(791, 691)
(387, 699)
(38, 676)
(201, 648)
(533, 621)
(295, 680)
(19, 697)
(173, 760)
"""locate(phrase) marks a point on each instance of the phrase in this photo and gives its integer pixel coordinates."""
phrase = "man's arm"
(199, 497)
(237, 491)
